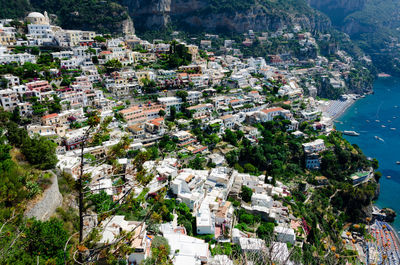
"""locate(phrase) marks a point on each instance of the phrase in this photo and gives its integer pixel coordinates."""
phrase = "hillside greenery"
(373, 26)
(14, 9)
(102, 16)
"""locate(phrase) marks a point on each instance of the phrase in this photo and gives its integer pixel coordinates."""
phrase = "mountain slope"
(373, 24)
(14, 8)
(100, 15)
(225, 15)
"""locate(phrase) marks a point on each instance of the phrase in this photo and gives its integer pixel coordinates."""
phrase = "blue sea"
(379, 115)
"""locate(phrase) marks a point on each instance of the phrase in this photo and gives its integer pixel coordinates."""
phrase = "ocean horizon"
(377, 118)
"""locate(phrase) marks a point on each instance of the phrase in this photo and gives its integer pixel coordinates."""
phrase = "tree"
(178, 55)
(40, 152)
(197, 163)
(182, 94)
(172, 115)
(150, 86)
(113, 65)
(101, 201)
(55, 105)
(16, 117)
(246, 193)
(95, 60)
(100, 39)
(160, 251)
(230, 137)
(161, 113)
(265, 230)
(249, 168)
(46, 239)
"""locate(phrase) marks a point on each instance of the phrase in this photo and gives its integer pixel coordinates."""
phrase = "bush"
(265, 230)
(40, 152)
(246, 194)
(246, 218)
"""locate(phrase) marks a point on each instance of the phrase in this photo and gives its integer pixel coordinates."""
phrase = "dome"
(35, 15)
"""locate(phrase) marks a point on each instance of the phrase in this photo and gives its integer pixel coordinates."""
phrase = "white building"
(170, 102)
(285, 234)
(140, 243)
(315, 146)
(259, 199)
(205, 220)
(8, 99)
(192, 250)
(20, 58)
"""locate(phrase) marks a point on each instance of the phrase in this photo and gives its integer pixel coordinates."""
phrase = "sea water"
(379, 115)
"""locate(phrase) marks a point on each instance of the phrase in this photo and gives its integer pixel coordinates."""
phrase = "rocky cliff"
(212, 15)
(372, 24)
(344, 7)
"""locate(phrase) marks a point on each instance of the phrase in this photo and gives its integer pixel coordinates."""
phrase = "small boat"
(383, 126)
(377, 120)
(351, 133)
(379, 138)
(388, 177)
(393, 129)
(398, 162)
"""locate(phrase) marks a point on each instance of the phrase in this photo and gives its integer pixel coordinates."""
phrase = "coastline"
(339, 114)
(343, 106)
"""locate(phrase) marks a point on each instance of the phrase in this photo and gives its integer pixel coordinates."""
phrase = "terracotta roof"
(223, 209)
(124, 111)
(50, 116)
(226, 117)
(105, 52)
(136, 128)
(266, 111)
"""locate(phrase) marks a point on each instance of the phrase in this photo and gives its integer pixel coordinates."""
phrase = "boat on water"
(377, 120)
(351, 133)
(388, 177)
(383, 126)
(398, 162)
(378, 138)
(393, 129)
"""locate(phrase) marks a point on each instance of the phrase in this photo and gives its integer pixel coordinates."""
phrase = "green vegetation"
(14, 9)
(246, 194)
(102, 16)
(41, 242)
(160, 250)
(26, 241)
(372, 25)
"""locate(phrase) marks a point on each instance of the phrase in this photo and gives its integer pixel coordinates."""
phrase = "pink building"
(40, 86)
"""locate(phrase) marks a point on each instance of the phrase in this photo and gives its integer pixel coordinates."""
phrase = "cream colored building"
(38, 18)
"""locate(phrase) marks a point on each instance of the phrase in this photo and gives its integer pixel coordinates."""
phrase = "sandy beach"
(335, 108)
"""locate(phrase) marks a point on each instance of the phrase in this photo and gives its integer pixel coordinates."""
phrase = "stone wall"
(51, 199)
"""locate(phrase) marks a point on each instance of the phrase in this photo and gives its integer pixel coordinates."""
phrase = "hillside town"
(178, 139)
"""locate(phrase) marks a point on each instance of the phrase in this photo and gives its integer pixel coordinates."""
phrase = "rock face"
(45, 208)
(198, 14)
(344, 6)
(390, 214)
(128, 27)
